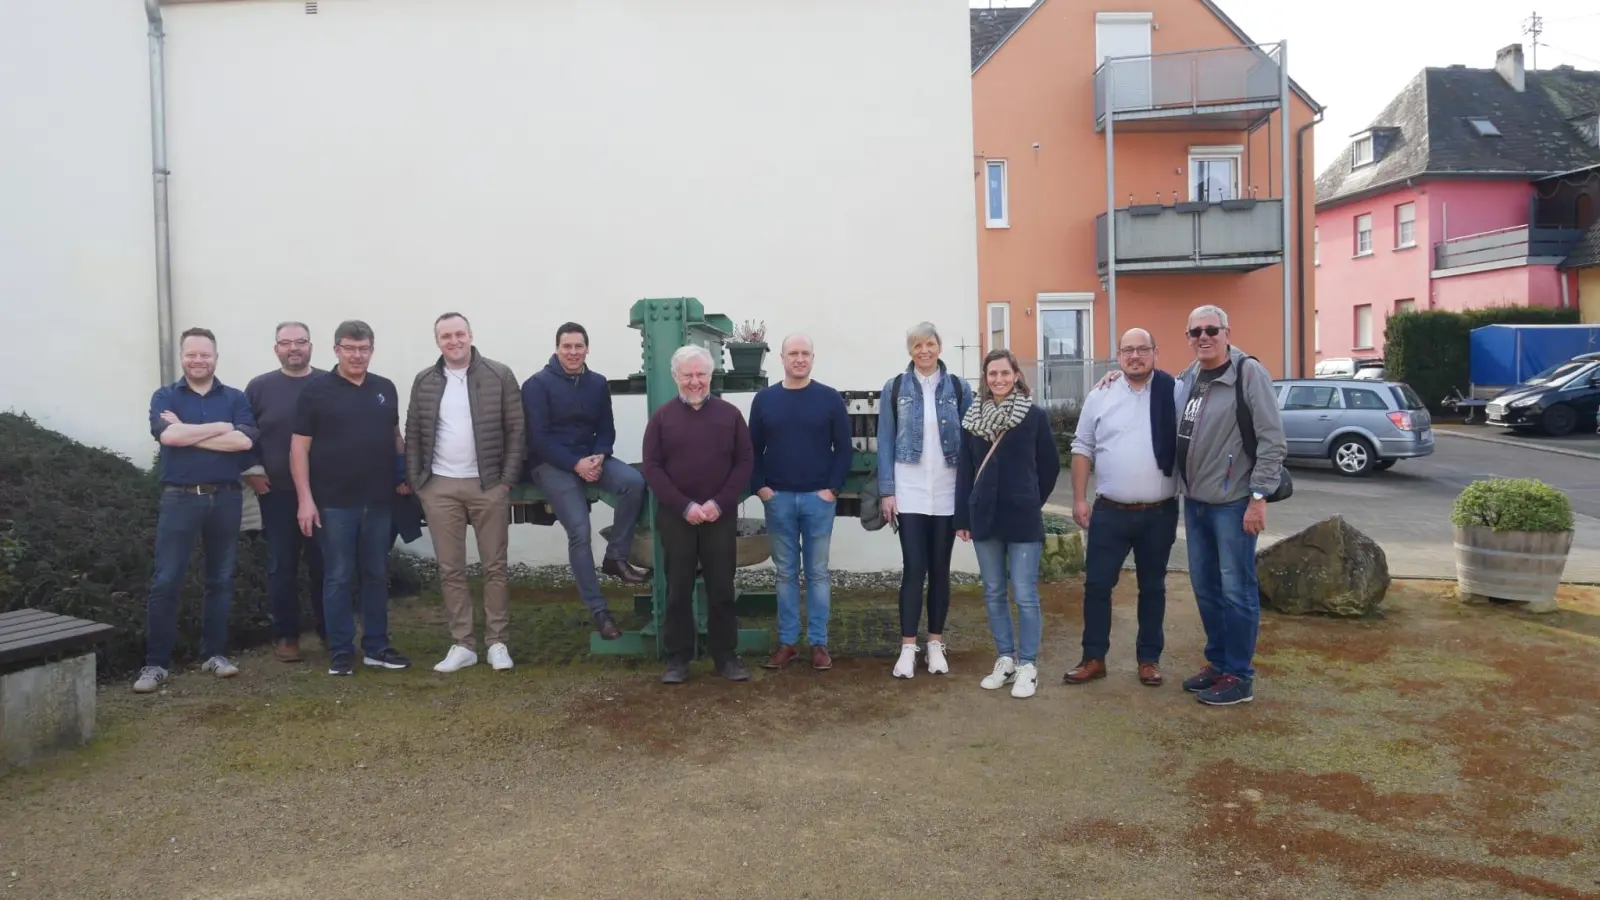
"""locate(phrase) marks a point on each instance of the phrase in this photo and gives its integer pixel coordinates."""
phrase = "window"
(1364, 235)
(1483, 127)
(1363, 326)
(1214, 173)
(996, 200)
(1405, 306)
(999, 327)
(1361, 151)
(1316, 246)
(1305, 396)
(1360, 398)
(1316, 333)
(1405, 225)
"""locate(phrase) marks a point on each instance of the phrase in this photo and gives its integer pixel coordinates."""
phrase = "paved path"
(1407, 509)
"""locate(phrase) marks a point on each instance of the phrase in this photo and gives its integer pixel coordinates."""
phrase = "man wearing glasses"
(343, 457)
(1127, 436)
(274, 397)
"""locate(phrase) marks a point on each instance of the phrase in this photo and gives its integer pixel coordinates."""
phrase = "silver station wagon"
(1359, 425)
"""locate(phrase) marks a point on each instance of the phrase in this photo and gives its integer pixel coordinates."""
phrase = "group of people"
(326, 458)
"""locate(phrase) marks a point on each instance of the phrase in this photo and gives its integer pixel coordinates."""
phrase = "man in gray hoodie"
(1226, 487)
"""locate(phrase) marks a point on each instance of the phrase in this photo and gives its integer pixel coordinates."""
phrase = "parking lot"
(1407, 509)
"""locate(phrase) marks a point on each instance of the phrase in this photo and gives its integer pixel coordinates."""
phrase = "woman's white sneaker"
(499, 657)
(1005, 668)
(1027, 681)
(937, 664)
(457, 659)
(906, 666)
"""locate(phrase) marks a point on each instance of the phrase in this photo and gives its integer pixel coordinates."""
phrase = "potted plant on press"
(1512, 536)
(748, 349)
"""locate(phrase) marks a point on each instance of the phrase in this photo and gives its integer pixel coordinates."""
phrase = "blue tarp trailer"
(1504, 355)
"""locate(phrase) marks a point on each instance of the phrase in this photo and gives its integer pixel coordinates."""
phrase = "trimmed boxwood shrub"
(1430, 350)
(1512, 504)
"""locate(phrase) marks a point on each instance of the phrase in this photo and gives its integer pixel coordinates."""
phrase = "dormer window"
(1361, 151)
(1483, 126)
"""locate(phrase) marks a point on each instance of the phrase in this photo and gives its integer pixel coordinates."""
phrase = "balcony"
(1220, 89)
(1229, 236)
(1505, 248)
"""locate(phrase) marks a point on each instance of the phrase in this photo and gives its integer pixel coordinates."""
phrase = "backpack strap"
(1247, 420)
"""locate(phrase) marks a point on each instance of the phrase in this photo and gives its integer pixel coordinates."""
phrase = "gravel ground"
(1441, 751)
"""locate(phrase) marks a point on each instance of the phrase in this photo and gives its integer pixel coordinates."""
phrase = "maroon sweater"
(694, 455)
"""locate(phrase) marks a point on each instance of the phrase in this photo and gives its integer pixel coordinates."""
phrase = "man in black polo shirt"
(343, 457)
(206, 433)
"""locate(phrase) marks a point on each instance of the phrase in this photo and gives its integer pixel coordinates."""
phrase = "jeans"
(1222, 569)
(925, 546)
(801, 527)
(285, 547)
(213, 520)
(999, 562)
(451, 504)
(1113, 533)
(709, 551)
(566, 493)
(355, 545)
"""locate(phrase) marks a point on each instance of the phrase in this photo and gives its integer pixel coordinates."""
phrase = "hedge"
(1430, 350)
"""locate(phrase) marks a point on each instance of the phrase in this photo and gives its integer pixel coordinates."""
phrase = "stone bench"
(47, 683)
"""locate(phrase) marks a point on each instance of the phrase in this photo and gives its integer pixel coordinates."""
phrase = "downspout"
(158, 165)
(1300, 218)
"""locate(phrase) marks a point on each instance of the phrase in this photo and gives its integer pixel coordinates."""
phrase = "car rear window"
(1406, 397)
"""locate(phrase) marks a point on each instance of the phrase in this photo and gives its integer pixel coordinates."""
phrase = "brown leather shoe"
(1085, 672)
(820, 658)
(287, 651)
(608, 627)
(1150, 674)
(621, 570)
(782, 657)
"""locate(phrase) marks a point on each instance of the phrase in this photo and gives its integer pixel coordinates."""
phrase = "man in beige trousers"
(465, 444)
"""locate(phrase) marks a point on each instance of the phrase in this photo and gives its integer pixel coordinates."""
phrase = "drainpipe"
(1300, 217)
(158, 163)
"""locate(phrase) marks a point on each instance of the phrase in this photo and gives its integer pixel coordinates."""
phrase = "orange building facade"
(1193, 113)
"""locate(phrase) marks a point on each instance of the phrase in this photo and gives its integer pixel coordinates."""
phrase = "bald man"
(1127, 436)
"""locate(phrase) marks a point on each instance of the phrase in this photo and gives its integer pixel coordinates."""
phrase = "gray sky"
(1353, 56)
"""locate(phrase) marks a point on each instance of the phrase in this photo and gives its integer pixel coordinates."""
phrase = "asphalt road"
(1407, 509)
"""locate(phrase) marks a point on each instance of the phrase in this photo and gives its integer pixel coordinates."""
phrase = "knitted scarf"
(989, 419)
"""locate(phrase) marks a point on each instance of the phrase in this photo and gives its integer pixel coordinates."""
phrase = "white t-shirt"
(455, 449)
(928, 486)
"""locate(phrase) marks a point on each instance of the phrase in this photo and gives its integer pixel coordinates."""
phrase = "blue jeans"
(801, 526)
(566, 493)
(213, 521)
(285, 548)
(1113, 533)
(999, 562)
(355, 546)
(1222, 570)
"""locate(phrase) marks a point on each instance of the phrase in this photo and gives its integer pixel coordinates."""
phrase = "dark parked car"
(1556, 401)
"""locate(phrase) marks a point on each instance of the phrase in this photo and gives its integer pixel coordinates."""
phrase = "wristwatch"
(1257, 495)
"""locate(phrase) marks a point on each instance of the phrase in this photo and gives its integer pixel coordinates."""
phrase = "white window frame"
(1361, 152)
(1004, 221)
(1410, 300)
(1232, 152)
(1316, 332)
(1366, 219)
(1316, 246)
(1400, 241)
(1005, 328)
(1358, 343)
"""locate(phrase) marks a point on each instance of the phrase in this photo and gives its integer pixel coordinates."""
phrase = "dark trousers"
(925, 546)
(355, 549)
(187, 518)
(1113, 533)
(709, 550)
(286, 546)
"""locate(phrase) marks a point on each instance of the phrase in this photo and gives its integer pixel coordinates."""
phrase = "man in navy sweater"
(571, 431)
(800, 433)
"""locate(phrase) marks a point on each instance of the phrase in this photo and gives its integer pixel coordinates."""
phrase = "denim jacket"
(900, 431)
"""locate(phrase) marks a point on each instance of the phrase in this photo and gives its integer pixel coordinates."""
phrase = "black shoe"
(677, 672)
(621, 570)
(734, 670)
(342, 664)
(390, 658)
(607, 626)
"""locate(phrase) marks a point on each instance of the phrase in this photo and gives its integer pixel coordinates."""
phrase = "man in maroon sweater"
(698, 461)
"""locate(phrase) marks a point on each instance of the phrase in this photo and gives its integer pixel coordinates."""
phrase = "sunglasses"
(1208, 331)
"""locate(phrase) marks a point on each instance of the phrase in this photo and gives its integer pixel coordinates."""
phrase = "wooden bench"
(47, 682)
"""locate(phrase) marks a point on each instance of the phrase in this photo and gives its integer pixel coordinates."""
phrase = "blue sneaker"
(1228, 690)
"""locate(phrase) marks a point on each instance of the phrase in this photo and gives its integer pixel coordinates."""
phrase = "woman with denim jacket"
(1008, 469)
(919, 440)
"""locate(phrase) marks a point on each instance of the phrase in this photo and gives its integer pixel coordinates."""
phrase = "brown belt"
(1104, 501)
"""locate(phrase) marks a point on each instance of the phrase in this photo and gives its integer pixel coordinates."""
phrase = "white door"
(1125, 34)
(1066, 352)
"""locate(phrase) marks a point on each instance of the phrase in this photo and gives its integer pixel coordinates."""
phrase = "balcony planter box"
(1192, 206)
(1512, 536)
(1146, 209)
(746, 357)
(1238, 204)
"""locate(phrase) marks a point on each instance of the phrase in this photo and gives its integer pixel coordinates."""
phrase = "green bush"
(1430, 350)
(1512, 504)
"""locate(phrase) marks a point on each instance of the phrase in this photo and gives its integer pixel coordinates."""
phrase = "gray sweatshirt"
(1214, 472)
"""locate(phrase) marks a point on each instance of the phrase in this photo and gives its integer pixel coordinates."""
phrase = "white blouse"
(927, 487)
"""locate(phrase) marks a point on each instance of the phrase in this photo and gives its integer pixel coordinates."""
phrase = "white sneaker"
(906, 666)
(457, 659)
(499, 657)
(150, 678)
(220, 666)
(1027, 681)
(1005, 668)
(937, 665)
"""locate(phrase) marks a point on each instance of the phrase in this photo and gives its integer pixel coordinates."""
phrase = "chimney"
(1508, 62)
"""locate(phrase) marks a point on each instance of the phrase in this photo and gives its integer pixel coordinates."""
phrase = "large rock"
(1330, 568)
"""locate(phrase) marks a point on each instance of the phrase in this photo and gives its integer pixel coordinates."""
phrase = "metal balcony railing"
(1190, 82)
(1227, 235)
(1517, 243)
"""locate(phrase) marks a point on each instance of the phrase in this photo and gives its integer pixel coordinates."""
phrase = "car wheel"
(1353, 456)
(1384, 465)
(1558, 420)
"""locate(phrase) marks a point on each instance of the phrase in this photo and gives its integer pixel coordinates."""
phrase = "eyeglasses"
(353, 351)
(1136, 351)
(298, 345)
(1208, 331)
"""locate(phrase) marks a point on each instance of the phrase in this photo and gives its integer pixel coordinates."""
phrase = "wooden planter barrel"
(1511, 565)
